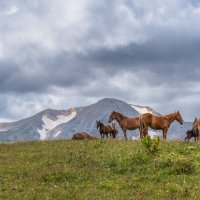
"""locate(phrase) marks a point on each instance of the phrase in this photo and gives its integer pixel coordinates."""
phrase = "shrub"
(152, 146)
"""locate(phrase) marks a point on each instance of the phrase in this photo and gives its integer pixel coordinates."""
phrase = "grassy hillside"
(101, 169)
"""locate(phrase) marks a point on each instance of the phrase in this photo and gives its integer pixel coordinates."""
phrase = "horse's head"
(113, 126)
(179, 117)
(111, 117)
(195, 122)
(98, 124)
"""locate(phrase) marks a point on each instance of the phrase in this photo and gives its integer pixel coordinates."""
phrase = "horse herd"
(143, 122)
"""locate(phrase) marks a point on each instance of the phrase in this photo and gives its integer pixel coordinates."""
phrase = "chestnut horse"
(104, 130)
(115, 130)
(158, 122)
(196, 127)
(124, 122)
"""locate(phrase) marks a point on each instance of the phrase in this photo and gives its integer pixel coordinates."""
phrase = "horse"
(124, 122)
(115, 130)
(196, 125)
(191, 133)
(158, 122)
(83, 136)
(104, 130)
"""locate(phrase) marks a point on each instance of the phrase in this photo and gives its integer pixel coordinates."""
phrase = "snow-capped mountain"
(36, 127)
(62, 124)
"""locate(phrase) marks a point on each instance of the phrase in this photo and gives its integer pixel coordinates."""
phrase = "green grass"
(99, 169)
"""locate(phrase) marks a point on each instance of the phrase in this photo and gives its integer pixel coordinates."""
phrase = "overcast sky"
(59, 54)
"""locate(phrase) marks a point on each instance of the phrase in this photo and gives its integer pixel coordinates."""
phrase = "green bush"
(152, 146)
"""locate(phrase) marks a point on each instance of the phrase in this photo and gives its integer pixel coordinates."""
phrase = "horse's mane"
(121, 115)
(101, 124)
(170, 114)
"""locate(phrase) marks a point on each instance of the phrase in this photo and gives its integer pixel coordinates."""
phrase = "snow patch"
(135, 138)
(152, 134)
(57, 133)
(49, 124)
(3, 129)
(141, 110)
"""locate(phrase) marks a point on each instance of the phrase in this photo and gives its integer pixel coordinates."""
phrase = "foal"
(104, 130)
(192, 133)
(114, 130)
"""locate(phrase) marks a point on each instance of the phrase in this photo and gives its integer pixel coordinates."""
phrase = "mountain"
(86, 119)
(37, 126)
(62, 124)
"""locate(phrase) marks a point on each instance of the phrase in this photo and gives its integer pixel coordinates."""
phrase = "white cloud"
(42, 38)
(11, 10)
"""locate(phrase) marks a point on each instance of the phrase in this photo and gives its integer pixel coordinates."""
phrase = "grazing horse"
(104, 130)
(124, 122)
(191, 133)
(158, 122)
(115, 130)
(196, 126)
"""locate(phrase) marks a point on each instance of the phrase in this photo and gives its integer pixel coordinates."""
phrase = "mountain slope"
(35, 127)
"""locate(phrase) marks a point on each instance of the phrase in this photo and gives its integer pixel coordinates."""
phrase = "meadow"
(99, 169)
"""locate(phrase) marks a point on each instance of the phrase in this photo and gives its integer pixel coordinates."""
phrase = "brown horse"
(196, 127)
(158, 122)
(104, 130)
(124, 122)
(191, 133)
(115, 130)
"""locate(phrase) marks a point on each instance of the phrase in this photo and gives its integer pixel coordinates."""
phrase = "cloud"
(61, 54)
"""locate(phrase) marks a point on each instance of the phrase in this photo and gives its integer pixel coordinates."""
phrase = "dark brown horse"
(104, 130)
(196, 126)
(191, 133)
(158, 122)
(115, 130)
(124, 122)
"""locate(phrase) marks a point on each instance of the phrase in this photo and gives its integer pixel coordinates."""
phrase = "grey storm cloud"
(58, 53)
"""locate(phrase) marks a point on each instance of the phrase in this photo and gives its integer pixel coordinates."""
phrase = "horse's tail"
(141, 128)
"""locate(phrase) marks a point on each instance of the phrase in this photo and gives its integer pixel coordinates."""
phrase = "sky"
(61, 54)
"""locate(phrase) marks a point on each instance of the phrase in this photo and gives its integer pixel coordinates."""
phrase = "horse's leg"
(198, 136)
(165, 133)
(141, 133)
(125, 136)
(114, 134)
(145, 133)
